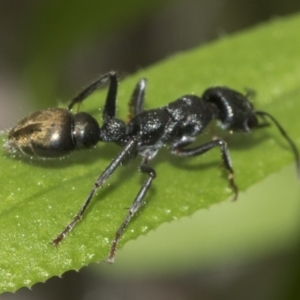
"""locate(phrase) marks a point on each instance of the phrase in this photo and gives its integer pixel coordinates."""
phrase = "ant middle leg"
(138, 201)
(180, 150)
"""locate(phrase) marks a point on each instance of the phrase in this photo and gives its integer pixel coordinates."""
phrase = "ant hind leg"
(130, 146)
(111, 95)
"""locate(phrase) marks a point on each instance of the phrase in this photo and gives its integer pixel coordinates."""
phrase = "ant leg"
(109, 110)
(130, 146)
(138, 201)
(136, 103)
(181, 143)
(180, 151)
(96, 84)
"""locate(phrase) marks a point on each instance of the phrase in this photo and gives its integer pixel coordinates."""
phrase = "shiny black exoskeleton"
(53, 132)
(57, 132)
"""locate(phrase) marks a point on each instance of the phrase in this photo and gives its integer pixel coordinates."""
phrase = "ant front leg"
(136, 103)
(178, 149)
(138, 201)
(130, 146)
(111, 95)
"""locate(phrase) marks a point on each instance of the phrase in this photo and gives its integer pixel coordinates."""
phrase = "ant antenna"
(285, 135)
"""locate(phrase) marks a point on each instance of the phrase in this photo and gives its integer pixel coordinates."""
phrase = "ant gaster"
(56, 132)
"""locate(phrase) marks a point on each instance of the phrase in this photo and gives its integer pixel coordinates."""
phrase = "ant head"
(233, 110)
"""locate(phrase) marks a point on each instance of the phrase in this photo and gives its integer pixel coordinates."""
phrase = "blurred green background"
(50, 49)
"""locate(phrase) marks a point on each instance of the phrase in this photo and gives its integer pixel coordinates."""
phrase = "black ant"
(56, 132)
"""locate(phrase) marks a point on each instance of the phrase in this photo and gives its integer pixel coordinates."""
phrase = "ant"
(56, 132)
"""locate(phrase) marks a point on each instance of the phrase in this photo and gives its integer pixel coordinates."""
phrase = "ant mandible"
(56, 132)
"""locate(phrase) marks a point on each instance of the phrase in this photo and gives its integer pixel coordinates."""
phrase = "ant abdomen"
(45, 133)
(53, 133)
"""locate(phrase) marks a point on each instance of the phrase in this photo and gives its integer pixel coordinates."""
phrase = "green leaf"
(38, 198)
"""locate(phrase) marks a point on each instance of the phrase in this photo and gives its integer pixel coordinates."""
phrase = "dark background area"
(49, 49)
